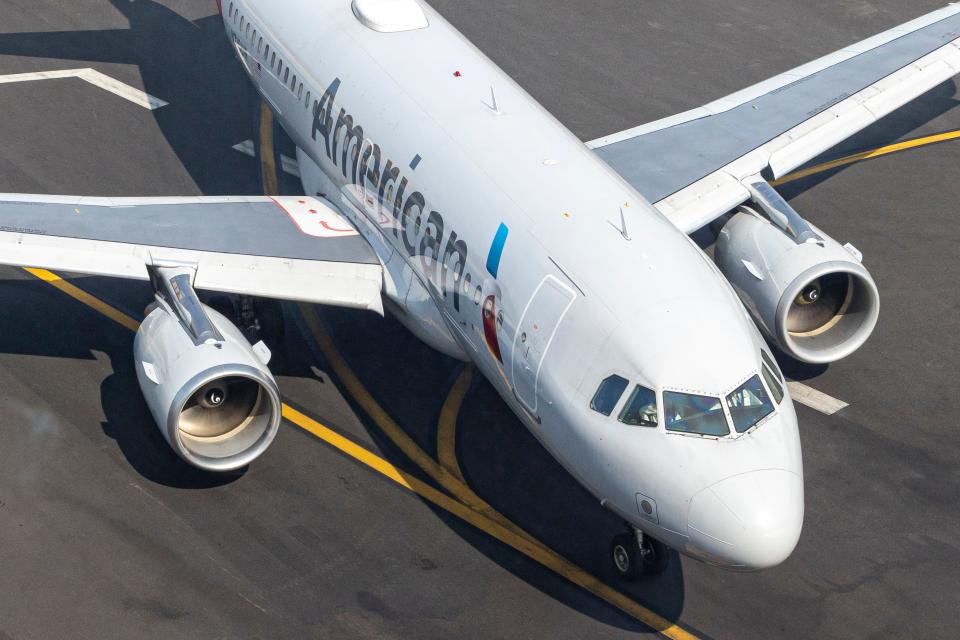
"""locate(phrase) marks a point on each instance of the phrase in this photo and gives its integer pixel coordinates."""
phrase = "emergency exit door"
(536, 330)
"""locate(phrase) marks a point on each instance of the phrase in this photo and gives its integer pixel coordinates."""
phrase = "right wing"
(698, 165)
(293, 248)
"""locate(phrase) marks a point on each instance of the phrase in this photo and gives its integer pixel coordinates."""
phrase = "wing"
(294, 248)
(695, 166)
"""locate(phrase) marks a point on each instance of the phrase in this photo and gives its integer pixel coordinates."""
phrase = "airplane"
(438, 190)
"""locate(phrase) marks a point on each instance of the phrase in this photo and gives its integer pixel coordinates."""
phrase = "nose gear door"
(536, 330)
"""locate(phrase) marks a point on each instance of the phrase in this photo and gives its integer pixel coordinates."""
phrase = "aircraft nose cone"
(749, 521)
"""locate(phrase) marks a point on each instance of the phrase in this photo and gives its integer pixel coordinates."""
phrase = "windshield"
(749, 404)
(688, 413)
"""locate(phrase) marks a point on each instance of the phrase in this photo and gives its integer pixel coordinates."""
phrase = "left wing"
(698, 165)
(287, 247)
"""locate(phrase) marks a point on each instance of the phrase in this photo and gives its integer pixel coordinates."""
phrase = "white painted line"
(95, 78)
(814, 399)
(288, 164)
(246, 148)
(114, 86)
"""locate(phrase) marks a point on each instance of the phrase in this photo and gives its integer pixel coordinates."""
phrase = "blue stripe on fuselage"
(496, 249)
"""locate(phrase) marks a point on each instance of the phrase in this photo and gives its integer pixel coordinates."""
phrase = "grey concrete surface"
(105, 534)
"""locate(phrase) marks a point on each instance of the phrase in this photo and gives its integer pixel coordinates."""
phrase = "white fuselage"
(444, 164)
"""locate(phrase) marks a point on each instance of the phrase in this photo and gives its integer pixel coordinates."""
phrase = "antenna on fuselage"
(494, 106)
(623, 226)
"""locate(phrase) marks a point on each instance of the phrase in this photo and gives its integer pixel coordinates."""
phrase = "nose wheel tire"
(625, 555)
(632, 558)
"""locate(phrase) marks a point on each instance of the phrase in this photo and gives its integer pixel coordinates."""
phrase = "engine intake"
(814, 298)
(215, 401)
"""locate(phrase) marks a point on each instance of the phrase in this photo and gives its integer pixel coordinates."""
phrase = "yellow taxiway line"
(268, 161)
(79, 294)
(447, 424)
(868, 155)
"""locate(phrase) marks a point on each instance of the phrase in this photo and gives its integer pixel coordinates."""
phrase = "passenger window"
(749, 404)
(306, 103)
(300, 91)
(259, 45)
(248, 30)
(689, 413)
(230, 10)
(608, 394)
(772, 384)
(286, 74)
(293, 84)
(641, 408)
(243, 21)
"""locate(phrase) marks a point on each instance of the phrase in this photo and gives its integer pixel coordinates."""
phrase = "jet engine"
(208, 389)
(808, 293)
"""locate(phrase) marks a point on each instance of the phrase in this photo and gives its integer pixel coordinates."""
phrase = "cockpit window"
(772, 384)
(608, 394)
(770, 363)
(641, 408)
(688, 413)
(749, 404)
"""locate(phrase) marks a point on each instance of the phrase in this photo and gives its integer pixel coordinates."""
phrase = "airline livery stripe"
(496, 250)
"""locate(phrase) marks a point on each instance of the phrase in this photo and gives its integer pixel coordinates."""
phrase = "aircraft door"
(535, 332)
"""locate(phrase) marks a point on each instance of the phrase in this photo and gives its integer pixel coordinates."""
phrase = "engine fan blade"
(819, 302)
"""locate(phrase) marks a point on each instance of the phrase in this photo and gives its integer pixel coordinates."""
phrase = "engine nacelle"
(215, 401)
(814, 299)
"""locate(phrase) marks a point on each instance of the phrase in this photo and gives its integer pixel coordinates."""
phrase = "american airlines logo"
(420, 229)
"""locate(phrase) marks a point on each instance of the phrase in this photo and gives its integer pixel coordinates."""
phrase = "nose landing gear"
(635, 554)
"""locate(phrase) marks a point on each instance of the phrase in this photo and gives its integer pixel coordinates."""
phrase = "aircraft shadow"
(189, 64)
(501, 461)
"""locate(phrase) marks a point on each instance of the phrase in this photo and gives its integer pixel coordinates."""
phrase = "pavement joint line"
(97, 79)
(815, 399)
(868, 155)
(524, 544)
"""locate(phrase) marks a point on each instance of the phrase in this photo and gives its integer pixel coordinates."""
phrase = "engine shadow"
(501, 461)
(53, 325)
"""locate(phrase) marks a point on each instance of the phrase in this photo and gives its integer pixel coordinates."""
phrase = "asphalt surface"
(105, 533)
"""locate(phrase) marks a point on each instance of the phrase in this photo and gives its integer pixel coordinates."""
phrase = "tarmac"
(366, 517)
